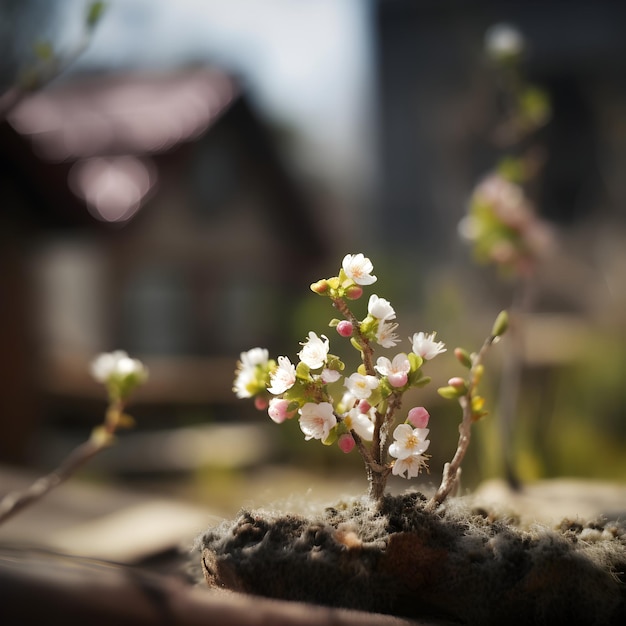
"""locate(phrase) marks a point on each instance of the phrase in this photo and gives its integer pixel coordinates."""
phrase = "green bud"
(449, 392)
(333, 323)
(476, 416)
(459, 384)
(478, 372)
(333, 283)
(463, 357)
(500, 325)
(368, 325)
(101, 437)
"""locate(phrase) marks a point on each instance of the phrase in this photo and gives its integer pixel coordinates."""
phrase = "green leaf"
(95, 12)
(424, 380)
(303, 372)
(332, 437)
(415, 360)
(355, 344)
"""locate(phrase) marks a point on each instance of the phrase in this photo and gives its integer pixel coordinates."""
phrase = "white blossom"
(411, 465)
(380, 308)
(314, 351)
(360, 423)
(246, 374)
(396, 371)
(317, 420)
(503, 40)
(408, 441)
(386, 335)
(117, 364)
(426, 346)
(359, 269)
(361, 386)
(283, 377)
(254, 357)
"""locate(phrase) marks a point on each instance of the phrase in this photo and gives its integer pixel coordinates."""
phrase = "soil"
(455, 563)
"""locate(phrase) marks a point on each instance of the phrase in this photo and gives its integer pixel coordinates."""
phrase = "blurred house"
(145, 212)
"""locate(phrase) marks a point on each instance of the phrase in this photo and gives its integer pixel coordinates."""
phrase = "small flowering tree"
(361, 409)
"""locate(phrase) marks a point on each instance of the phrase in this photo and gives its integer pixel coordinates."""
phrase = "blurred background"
(190, 167)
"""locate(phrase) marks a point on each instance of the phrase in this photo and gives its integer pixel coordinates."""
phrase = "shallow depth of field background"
(175, 191)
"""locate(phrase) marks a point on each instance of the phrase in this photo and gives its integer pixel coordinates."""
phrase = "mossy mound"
(400, 558)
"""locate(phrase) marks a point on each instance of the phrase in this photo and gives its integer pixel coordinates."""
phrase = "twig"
(451, 469)
(101, 437)
(14, 502)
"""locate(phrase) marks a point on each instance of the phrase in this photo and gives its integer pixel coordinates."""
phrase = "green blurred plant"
(501, 223)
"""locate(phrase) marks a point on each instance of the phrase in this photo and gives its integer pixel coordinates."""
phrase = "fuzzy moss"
(454, 563)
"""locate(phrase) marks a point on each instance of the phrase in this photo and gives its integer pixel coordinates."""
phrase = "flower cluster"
(119, 373)
(502, 225)
(501, 221)
(357, 408)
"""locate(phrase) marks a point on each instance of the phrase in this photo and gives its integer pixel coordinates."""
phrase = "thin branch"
(451, 469)
(366, 348)
(12, 503)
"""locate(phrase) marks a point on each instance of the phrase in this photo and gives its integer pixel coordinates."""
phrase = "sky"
(307, 64)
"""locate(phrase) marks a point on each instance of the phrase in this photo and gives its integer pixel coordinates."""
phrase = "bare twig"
(101, 437)
(451, 470)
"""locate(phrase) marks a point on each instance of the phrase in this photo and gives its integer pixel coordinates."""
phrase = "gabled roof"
(134, 113)
(101, 141)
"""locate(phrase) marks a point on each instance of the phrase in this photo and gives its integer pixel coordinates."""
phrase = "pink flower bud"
(320, 287)
(278, 410)
(457, 382)
(346, 443)
(364, 406)
(418, 417)
(463, 357)
(398, 379)
(345, 328)
(260, 403)
(354, 292)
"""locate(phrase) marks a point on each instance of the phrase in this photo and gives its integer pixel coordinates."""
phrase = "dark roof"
(102, 141)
